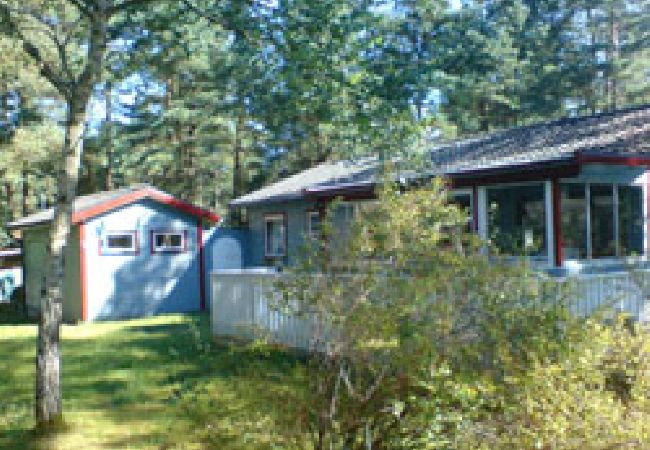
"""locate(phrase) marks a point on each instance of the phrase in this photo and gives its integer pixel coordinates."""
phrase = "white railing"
(242, 306)
(242, 303)
(625, 292)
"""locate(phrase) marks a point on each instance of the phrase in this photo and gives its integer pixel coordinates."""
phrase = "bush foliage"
(423, 341)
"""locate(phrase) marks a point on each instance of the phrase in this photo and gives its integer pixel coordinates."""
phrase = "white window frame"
(169, 249)
(105, 249)
(483, 208)
(310, 232)
(280, 218)
(590, 260)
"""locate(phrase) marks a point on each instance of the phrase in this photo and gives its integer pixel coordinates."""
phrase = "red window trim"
(102, 251)
(153, 249)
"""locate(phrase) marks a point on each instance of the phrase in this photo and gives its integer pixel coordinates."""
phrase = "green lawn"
(158, 383)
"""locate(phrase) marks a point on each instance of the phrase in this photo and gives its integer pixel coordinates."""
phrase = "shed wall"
(146, 283)
(35, 241)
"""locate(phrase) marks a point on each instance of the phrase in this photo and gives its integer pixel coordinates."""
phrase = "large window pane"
(630, 214)
(574, 221)
(516, 219)
(603, 243)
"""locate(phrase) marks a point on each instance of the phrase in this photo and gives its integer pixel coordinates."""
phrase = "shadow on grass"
(139, 376)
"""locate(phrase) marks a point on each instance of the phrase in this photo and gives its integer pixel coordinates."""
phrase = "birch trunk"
(48, 359)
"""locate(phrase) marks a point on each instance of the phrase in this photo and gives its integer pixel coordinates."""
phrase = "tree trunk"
(25, 178)
(612, 84)
(109, 136)
(48, 383)
(237, 174)
(48, 403)
(48, 360)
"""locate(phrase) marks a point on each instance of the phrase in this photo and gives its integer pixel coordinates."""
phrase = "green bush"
(418, 335)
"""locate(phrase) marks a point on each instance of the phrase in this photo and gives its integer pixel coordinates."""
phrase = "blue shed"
(131, 252)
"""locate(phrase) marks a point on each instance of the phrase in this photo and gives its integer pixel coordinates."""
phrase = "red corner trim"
(557, 223)
(199, 243)
(83, 272)
(160, 197)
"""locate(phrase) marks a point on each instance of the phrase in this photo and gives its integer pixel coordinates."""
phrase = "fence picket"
(242, 303)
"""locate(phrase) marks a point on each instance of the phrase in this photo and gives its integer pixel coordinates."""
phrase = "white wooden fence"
(242, 303)
(626, 292)
(241, 307)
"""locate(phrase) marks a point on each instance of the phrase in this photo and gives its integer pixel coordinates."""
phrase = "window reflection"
(603, 241)
(630, 217)
(574, 221)
(615, 219)
(516, 219)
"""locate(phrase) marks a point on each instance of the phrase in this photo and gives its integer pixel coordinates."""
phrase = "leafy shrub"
(417, 333)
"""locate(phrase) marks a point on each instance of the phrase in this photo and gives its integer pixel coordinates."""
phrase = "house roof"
(92, 205)
(321, 176)
(621, 133)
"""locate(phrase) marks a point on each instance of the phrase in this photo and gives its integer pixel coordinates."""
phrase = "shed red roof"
(88, 206)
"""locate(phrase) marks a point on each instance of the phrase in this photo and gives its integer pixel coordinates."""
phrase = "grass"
(156, 383)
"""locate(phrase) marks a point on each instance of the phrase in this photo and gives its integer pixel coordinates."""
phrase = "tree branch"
(45, 68)
(82, 7)
(126, 4)
(207, 16)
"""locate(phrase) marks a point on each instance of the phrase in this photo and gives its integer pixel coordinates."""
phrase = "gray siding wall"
(603, 173)
(35, 241)
(296, 228)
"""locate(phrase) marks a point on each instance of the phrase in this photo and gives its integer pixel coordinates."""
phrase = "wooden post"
(557, 223)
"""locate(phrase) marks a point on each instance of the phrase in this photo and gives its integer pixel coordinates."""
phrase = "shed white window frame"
(281, 220)
(165, 248)
(107, 249)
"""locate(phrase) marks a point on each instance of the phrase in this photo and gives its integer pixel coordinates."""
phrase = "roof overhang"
(84, 215)
(538, 171)
(142, 194)
(566, 166)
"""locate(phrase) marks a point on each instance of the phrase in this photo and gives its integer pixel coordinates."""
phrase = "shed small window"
(168, 241)
(119, 242)
(275, 234)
